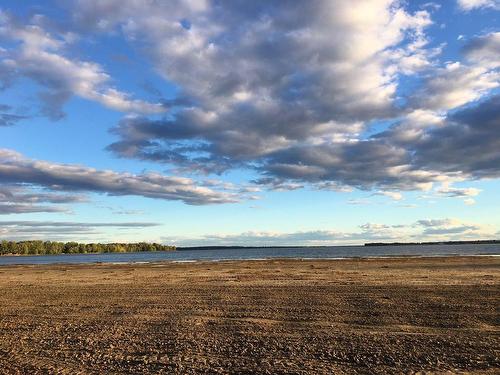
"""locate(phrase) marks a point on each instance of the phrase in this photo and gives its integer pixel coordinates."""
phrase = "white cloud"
(40, 56)
(468, 5)
(394, 195)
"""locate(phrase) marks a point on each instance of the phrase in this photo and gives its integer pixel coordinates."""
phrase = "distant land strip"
(215, 247)
(52, 247)
(471, 242)
(228, 247)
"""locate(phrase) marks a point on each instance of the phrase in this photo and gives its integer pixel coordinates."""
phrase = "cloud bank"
(295, 92)
(301, 94)
(422, 230)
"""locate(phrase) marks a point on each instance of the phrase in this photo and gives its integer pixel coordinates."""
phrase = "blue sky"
(250, 123)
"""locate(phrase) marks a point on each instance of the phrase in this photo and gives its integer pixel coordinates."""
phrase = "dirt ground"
(267, 317)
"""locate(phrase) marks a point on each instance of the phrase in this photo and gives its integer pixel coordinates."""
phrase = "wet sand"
(265, 317)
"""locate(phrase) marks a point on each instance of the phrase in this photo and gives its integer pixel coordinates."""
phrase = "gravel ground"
(426, 315)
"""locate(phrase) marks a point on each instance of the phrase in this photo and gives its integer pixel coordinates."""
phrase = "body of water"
(259, 253)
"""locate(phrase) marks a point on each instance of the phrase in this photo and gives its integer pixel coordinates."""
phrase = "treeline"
(49, 247)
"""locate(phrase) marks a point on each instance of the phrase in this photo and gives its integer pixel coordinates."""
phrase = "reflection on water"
(259, 253)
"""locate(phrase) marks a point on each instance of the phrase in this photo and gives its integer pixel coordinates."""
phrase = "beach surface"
(428, 315)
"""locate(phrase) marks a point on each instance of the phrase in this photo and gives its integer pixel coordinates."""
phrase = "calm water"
(258, 253)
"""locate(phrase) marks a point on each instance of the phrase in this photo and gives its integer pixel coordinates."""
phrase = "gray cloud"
(7, 118)
(466, 145)
(469, 144)
(20, 194)
(261, 103)
(74, 224)
(17, 199)
(485, 49)
(13, 208)
(15, 168)
(366, 164)
(429, 223)
(261, 77)
(62, 230)
(435, 227)
(451, 230)
(458, 192)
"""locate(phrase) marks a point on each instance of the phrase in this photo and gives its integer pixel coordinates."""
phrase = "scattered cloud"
(432, 5)
(35, 53)
(468, 5)
(447, 227)
(394, 195)
(465, 193)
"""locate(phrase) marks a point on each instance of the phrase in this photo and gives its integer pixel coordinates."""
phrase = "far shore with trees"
(51, 247)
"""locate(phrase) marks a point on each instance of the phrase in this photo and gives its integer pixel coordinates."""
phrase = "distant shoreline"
(476, 242)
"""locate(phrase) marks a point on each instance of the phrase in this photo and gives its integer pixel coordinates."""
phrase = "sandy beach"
(266, 317)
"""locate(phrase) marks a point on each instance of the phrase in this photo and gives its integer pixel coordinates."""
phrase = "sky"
(288, 122)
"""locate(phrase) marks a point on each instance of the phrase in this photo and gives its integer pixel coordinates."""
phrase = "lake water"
(259, 253)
